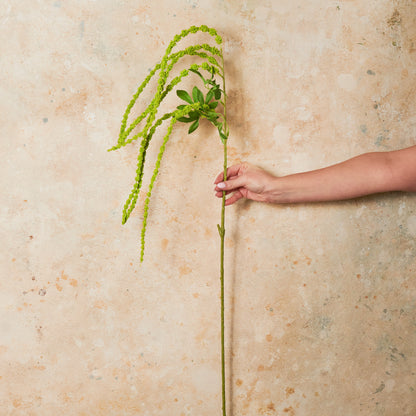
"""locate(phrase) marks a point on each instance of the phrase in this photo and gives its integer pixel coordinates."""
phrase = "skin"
(366, 174)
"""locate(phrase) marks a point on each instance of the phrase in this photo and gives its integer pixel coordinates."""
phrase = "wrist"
(274, 190)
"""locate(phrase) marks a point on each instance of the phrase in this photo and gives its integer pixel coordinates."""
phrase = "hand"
(246, 181)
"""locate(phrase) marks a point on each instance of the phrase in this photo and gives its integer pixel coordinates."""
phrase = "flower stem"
(222, 236)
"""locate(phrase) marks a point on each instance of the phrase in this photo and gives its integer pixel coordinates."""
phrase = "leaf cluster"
(208, 104)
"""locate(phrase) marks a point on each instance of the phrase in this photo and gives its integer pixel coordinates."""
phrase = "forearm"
(362, 175)
(366, 174)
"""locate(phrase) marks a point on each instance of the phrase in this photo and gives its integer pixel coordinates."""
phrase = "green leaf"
(192, 116)
(181, 107)
(213, 105)
(184, 96)
(193, 126)
(209, 96)
(217, 93)
(185, 119)
(197, 95)
(223, 137)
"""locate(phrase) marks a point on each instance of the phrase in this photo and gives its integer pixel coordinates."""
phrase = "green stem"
(222, 235)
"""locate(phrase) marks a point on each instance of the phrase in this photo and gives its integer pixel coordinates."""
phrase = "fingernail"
(221, 185)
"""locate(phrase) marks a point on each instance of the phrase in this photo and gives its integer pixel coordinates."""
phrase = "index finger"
(219, 178)
(231, 171)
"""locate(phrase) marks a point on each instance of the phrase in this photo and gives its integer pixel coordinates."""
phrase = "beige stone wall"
(321, 308)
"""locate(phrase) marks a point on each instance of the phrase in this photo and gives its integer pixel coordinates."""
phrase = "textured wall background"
(320, 297)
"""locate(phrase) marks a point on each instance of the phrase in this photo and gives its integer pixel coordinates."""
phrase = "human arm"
(365, 174)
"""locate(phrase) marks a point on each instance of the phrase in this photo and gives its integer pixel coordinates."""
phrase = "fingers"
(219, 178)
(231, 184)
(233, 198)
(235, 180)
(218, 194)
(231, 171)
